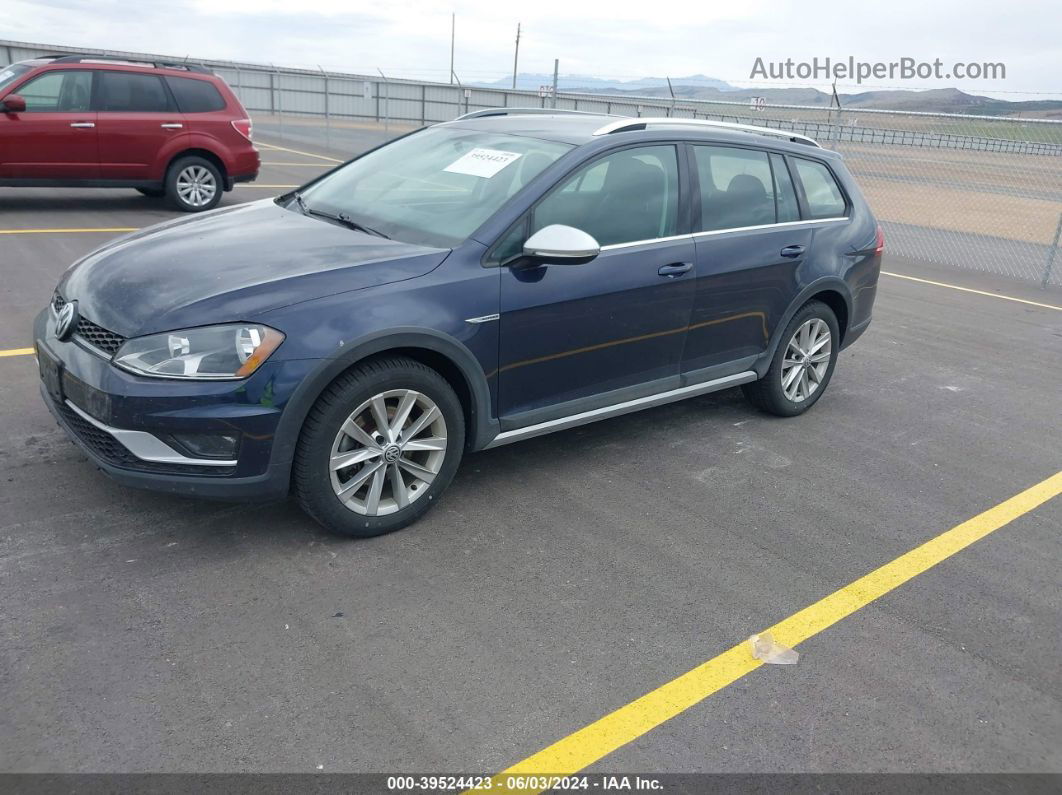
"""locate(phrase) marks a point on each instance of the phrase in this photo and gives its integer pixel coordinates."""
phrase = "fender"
(482, 428)
(834, 283)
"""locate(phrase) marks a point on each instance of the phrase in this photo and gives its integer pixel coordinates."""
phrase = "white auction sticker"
(482, 162)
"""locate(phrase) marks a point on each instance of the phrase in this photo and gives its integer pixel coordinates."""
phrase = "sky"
(615, 39)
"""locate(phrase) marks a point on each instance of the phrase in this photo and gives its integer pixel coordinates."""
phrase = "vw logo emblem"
(67, 321)
(392, 453)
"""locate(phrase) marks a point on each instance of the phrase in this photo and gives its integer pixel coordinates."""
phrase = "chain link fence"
(976, 192)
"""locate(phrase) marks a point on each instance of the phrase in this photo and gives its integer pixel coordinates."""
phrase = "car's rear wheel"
(379, 447)
(802, 366)
(193, 184)
(154, 193)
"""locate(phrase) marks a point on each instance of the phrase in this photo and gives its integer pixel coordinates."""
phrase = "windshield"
(434, 187)
(11, 73)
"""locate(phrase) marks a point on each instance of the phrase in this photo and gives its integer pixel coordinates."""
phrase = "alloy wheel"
(196, 186)
(807, 358)
(388, 452)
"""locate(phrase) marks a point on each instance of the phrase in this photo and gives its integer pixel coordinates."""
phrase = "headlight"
(230, 351)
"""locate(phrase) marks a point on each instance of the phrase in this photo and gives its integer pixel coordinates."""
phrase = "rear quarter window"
(195, 96)
(825, 199)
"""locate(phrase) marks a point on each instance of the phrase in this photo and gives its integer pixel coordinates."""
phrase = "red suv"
(166, 129)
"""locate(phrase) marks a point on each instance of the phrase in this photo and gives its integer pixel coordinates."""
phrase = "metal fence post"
(1051, 252)
(327, 111)
(387, 101)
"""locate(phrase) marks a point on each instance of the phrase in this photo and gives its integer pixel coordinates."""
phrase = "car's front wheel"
(379, 447)
(194, 184)
(802, 365)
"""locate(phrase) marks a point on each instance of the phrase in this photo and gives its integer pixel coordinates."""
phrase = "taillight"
(243, 127)
(879, 241)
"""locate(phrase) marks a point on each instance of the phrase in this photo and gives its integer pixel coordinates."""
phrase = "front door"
(571, 332)
(55, 137)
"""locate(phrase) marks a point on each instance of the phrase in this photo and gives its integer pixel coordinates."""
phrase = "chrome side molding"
(617, 409)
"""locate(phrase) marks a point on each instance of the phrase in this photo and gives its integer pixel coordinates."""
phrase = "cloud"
(411, 38)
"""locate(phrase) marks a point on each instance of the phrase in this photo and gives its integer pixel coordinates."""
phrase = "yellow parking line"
(256, 185)
(16, 352)
(595, 741)
(67, 231)
(297, 152)
(279, 163)
(969, 290)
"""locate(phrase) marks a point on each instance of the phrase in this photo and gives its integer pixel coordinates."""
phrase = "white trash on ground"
(764, 647)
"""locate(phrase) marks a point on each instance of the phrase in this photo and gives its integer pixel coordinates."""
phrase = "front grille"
(98, 337)
(110, 450)
(90, 333)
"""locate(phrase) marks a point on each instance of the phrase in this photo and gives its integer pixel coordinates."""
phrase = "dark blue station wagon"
(471, 284)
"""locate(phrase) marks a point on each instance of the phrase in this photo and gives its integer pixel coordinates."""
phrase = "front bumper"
(126, 424)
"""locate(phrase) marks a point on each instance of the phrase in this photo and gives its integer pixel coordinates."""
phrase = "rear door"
(750, 243)
(55, 137)
(137, 118)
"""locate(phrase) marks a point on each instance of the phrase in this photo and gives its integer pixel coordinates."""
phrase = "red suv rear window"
(195, 96)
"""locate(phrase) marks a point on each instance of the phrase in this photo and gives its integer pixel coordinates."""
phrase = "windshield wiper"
(347, 221)
(301, 202)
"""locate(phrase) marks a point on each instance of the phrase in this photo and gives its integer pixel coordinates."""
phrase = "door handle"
(84, 124)
(675, 269)
(171, 126)
(792, 251)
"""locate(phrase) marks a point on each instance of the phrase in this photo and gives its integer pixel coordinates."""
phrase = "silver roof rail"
(640, 124)
(477, 114)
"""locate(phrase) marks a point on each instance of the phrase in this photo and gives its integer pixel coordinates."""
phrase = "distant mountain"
(531, 82)
(937, 100)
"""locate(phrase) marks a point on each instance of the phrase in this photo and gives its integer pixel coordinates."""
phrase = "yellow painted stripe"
(298, 152)
(279, 163)
(259, 185)
(67, 231)
(595, 741)
(16, 352)
(969, 290)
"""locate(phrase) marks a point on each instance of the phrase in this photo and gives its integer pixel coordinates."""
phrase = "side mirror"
(13, 103)
(561, 245)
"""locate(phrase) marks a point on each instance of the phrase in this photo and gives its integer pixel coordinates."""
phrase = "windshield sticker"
(482, 162)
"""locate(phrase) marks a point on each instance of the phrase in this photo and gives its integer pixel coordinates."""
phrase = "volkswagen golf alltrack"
(475, 283)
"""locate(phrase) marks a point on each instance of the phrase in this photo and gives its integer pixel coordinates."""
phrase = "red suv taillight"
(243, 127)
(879, 241)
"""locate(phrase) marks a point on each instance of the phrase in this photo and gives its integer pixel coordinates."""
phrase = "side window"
(737, 188)
(58, 92)
(624, 197)
(825, 199)
(785, 200)
(195, 96)
(132, 93)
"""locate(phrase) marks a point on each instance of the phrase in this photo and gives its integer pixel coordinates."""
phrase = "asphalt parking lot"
(560, 578)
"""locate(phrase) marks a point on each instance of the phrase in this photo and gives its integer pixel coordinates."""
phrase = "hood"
(230, 265)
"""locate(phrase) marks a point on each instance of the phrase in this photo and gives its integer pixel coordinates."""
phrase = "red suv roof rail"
(190, 67)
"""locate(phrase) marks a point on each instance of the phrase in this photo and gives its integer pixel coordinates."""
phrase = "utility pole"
(556, 66)
(516, 55)
(453, 30)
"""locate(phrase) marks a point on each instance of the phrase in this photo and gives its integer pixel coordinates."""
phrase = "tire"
(194, 184)
(360, 496)
(154, 193)
(776, 393)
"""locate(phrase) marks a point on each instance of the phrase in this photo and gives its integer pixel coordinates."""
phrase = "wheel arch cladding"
(455, 363)
(206, 154)
(837, 302)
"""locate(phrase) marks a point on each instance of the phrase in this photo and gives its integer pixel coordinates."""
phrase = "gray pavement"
(559, 578)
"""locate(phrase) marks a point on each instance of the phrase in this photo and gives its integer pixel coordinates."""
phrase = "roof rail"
(627, 125)
(190, 67)
(478, 114)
